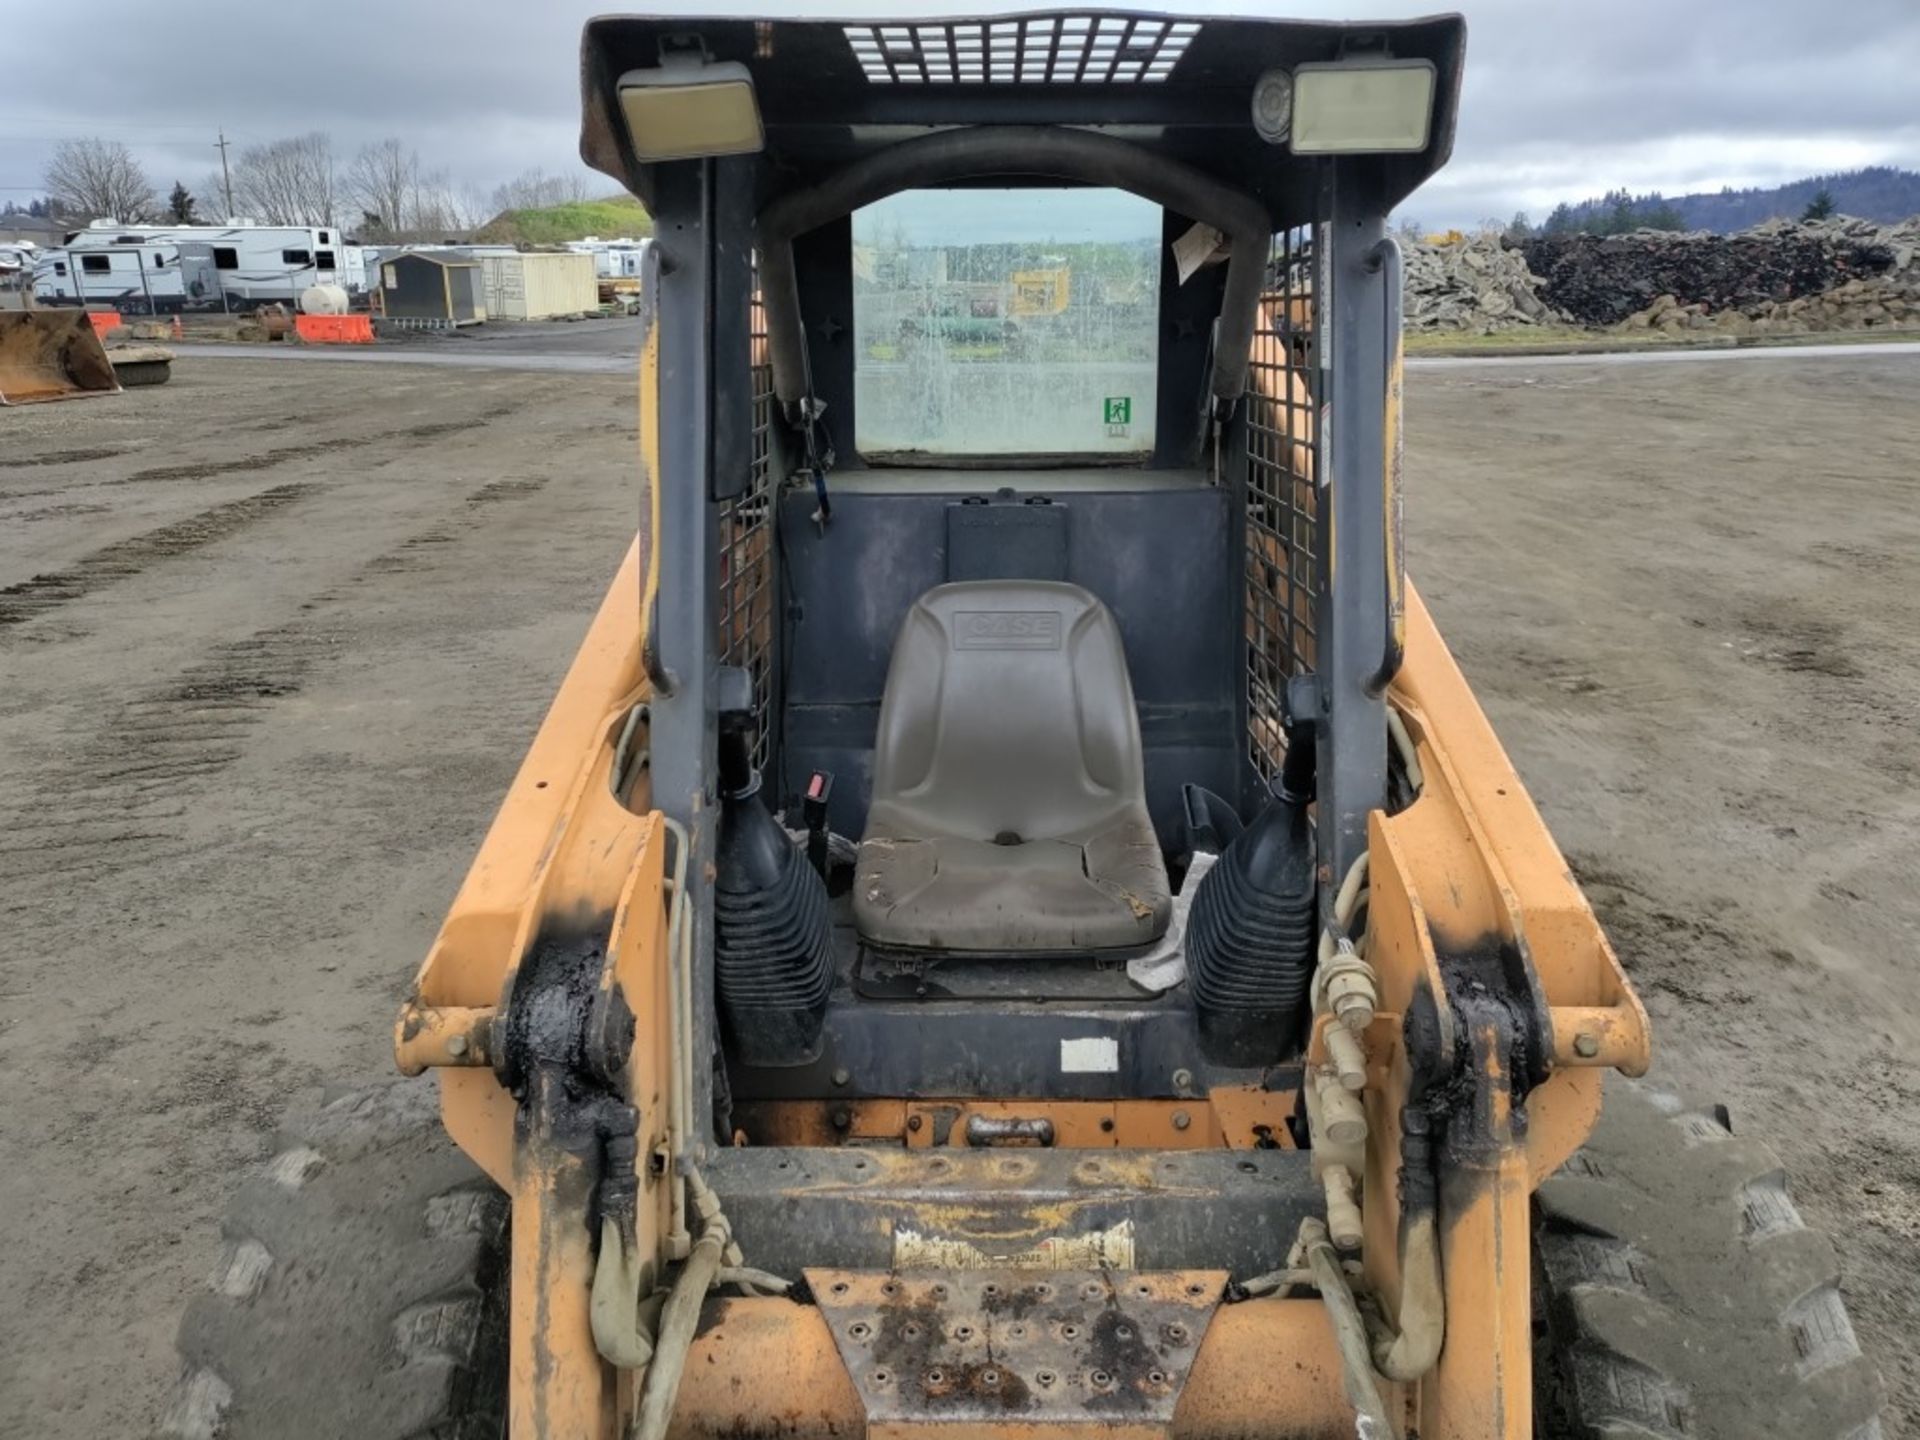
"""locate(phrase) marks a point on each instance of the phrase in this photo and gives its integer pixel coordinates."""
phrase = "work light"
(689, 109)
(1360, 107)
(1273, 105)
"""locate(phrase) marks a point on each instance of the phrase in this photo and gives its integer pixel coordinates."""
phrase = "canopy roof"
(835, 91)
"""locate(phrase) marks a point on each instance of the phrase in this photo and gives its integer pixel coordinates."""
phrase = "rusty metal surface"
(769, 1367)
(51, 355)
(877, 1209)
(1071, 1350)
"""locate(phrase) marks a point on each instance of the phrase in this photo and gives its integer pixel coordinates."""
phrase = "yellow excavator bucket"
(51, 355)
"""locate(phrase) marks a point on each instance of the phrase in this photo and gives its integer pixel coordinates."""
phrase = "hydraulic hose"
(1411, 1351)
(674, 1340)
(1349, 1329)
(1408, 1349)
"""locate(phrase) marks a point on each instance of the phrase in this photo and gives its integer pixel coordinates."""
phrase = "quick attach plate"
(1095, 1352)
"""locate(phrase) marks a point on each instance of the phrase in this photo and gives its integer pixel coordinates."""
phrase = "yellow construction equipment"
(51, 355)
(1015, 924)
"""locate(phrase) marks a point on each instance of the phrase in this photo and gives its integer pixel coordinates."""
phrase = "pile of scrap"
(1783, 277)
(1474, 284)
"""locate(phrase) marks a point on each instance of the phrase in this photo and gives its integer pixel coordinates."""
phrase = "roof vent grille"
(1031, 50)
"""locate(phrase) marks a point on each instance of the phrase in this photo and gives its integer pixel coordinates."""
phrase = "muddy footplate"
(954, 1350)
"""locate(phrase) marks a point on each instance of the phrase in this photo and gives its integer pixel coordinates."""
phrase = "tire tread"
(359, 1289)
(1681, 1295)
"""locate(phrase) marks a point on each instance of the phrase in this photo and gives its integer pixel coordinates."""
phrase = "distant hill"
(1880, 192)
(551, 224)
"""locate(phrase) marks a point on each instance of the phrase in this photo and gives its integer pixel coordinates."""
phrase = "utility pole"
(226, 175)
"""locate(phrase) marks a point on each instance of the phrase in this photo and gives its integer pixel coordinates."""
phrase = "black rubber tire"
(360, 1290)
(1680, 1296)
(143, 372)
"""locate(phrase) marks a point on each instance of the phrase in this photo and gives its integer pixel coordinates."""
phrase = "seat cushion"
(1009, 812)
(1040, 897)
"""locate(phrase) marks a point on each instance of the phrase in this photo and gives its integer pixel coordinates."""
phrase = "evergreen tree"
(180, 205)
(1620, 217)
(1820, 207)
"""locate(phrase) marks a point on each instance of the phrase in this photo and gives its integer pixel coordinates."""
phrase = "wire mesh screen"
(746, 546)
(1089, 48)
(1282, 509)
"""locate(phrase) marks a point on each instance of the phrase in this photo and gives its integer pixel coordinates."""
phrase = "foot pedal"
(1075, 1351)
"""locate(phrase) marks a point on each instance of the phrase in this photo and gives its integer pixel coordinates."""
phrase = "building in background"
(539, 284)
(432, 285)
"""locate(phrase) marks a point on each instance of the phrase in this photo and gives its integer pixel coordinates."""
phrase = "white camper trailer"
(16, 274)
(137, 279)
(231, 267)
(612, 259)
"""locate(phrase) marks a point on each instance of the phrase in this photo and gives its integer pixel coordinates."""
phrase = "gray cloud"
(1565, 98)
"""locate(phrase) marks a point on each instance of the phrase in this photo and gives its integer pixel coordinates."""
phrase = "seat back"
(1008, 712)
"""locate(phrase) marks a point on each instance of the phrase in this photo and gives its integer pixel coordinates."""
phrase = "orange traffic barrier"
(334, 329)
(104, 320)
(179, 331)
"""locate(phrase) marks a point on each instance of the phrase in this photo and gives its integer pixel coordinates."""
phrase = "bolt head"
(456, 1045)
(1181, 1120)
(1586, 1044)
(842, 1076)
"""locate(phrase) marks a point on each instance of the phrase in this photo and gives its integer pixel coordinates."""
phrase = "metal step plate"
(1104, 1352)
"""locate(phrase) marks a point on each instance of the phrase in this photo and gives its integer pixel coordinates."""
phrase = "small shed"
(441, 285)
(536, 284)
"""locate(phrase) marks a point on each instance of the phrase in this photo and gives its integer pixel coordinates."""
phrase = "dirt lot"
(273, 637)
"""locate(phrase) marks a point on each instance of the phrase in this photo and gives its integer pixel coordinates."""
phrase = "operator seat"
(1009, 811)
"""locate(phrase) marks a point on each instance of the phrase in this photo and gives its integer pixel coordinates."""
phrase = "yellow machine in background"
(1041, 292)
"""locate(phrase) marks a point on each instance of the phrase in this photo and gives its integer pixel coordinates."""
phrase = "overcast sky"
(1564, 98)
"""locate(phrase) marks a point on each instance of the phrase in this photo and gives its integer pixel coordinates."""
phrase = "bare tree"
(99, 179)
(288, 182)
(382, 180)
(440, 207)
(536, 188)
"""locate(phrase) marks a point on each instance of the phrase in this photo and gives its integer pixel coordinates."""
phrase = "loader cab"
(1000, 472)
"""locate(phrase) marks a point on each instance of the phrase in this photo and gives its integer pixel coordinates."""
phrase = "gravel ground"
(273, 637)
(1689, 598)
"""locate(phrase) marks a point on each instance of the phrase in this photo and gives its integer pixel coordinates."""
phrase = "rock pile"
(1784, 277)
(1606, 280)
(1887, 299)
(1475, 283)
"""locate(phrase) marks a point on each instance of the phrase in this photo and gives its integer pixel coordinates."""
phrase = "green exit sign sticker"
(1119, 409)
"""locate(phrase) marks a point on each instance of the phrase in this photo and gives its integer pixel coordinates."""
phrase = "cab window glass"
(1006, 322)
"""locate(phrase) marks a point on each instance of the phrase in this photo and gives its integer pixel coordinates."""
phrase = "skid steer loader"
(1015, 925)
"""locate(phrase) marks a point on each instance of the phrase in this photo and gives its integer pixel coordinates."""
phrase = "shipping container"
(538, 284)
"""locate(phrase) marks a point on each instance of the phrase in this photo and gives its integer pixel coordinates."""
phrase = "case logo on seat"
(1006, 630)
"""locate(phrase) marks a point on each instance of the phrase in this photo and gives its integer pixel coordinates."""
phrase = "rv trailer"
(231, 267)
(144, 278)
